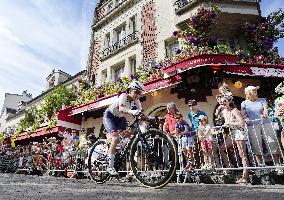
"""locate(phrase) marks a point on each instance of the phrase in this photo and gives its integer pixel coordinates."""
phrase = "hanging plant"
(262, 36)
(197, 38)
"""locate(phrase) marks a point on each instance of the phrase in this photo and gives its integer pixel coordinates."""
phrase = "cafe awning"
(105, 101)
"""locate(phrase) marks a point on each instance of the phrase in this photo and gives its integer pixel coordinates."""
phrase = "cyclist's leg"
(110, 123)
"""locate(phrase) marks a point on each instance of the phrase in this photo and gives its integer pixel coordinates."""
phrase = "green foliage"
(34, 117)
(262, 36)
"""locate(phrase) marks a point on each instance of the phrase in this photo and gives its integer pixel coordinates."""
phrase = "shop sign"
(267, 72)
(202, 60)
(162, 83)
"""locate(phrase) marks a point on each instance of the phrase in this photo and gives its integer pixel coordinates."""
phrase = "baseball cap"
(192, 102)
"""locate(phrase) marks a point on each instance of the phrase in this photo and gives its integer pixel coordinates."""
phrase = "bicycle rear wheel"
(98, 162)
(154, 163)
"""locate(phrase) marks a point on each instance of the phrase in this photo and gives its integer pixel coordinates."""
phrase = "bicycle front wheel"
(153, 158)
(98, 162)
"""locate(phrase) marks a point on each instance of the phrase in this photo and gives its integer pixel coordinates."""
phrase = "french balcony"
(119, 45)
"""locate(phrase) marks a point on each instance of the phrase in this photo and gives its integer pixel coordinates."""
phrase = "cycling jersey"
(124, 100)
(114, 119)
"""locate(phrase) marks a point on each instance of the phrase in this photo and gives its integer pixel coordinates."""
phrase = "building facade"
(127, 34)
(13, 103)
(130, 33)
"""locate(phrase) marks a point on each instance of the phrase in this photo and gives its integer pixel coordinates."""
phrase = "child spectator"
(187, 140)
(205, 135)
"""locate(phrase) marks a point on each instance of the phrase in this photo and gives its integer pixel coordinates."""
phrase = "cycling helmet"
(136, 85)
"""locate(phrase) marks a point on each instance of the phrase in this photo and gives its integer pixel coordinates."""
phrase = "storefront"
(195, 78)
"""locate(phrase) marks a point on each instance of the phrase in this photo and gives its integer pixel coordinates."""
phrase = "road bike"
(151, 154)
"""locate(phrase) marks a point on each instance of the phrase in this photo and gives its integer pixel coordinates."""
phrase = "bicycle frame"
(122, 154)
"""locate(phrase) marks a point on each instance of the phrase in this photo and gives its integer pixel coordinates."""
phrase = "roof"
(60, 71)
(62, 83)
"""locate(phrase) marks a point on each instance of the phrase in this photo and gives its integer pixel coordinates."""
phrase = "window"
(117, 2)
(120, 33)
(118, 72)
(109, 7)
(132, 24)
(132, 63)
(171, 49)
(107, 40)
(51, 81)
(104, 76)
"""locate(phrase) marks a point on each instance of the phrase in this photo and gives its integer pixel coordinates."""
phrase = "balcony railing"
(119, 45)
(182, 5)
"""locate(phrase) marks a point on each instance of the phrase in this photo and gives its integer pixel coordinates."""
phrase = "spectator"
(170, 119)
(205, 135)
(194, 114)
(235, 121)
(223, 91)
(276, 124)
(279, 108)
(187, 141)
(259, 126)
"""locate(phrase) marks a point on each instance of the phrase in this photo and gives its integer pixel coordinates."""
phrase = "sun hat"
(249, 88)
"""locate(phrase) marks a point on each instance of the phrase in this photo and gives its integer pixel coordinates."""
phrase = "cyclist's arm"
(122, 104)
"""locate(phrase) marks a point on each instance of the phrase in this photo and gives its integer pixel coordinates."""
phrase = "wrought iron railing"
(119, 44)
(179, 4)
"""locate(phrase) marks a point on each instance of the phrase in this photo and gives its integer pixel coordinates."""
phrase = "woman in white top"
(236, 123)
(114, 120)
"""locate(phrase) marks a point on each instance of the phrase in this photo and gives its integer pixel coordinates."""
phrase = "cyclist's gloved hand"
(134, 112)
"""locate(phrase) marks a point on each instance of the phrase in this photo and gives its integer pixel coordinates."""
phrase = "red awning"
(150, 86)
(202, 60)
(40, 132)
(256, 70)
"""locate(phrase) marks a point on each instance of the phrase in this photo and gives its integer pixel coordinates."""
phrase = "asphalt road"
(47, 188)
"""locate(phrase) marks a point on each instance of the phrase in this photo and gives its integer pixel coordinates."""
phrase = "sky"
(37, 36)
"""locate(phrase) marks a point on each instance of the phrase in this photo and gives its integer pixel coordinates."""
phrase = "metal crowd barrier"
(267, 141)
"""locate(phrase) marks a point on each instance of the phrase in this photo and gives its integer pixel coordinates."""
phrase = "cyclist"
(114, 117)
